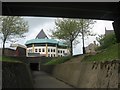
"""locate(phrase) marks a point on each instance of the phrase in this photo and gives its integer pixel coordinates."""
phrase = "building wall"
(52, 51)
(11, 52)
(21, 52)
(91, 48)
(107, 32)
(62, 51)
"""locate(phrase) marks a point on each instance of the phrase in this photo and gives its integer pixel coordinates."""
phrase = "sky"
(47, 23)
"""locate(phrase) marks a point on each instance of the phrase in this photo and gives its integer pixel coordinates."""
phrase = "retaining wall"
(89, 74)
(16, 75)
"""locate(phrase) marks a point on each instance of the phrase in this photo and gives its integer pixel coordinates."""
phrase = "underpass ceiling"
(86, 10)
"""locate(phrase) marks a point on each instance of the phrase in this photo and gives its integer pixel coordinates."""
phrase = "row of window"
(30, 50)
(49, 50)
(51, 55)
(61, 51)
(40, 50)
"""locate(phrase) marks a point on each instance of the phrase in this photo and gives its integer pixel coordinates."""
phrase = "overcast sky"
(47, 23)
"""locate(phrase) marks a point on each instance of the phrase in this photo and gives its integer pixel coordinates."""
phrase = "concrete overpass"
(86, 10)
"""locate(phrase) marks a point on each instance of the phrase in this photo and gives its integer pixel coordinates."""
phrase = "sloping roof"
(17, 45)
(41, 35)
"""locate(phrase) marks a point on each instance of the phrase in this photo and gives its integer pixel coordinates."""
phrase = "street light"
(83, 38)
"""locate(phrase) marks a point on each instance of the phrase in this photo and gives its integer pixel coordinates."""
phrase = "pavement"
(44, 80)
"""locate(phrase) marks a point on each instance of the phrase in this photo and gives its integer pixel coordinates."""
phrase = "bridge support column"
(116, 26)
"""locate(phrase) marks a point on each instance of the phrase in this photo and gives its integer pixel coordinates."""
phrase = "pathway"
(43, 80)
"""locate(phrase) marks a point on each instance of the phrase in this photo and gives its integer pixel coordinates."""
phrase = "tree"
(12, 27)
(69, 29)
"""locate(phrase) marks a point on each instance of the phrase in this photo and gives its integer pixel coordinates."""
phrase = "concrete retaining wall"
(47, 68)
(16, 75)
(88, 74)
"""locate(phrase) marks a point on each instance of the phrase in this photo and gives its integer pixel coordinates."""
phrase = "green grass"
(58, 60)
(8, 59)
(108, 54)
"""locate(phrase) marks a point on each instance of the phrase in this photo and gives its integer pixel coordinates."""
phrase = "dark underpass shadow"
(34, 66)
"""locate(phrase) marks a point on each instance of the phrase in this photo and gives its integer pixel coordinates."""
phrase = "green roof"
(41, 41)
(61, 44)
(52, 41)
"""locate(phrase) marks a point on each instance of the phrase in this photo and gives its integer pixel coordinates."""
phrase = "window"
(61, 51)
(53, 50)
(58, 51)
(48, 50)
(39, 50)
(30, 50)
(43, 50)
(48, 55)
(53, 55)
(35, 50)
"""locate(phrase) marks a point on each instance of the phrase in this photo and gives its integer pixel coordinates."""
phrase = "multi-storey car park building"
(43, 46)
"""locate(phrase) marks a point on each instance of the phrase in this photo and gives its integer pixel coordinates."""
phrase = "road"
(43, 80)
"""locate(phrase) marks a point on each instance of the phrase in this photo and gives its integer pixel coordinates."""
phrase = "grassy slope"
(108, 54)
(8, 59)
(58, 60)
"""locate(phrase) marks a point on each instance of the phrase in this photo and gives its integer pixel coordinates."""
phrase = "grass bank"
(109, 54)
(8, 59)
(58, 60)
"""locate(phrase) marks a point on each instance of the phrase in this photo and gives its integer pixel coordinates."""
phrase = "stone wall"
(88, 74)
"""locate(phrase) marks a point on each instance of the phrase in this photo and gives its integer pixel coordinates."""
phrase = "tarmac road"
(43, 80)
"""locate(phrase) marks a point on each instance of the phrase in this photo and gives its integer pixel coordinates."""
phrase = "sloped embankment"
(16, 75)
(89, 74)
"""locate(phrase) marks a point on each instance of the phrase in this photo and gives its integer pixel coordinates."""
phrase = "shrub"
(107, 41)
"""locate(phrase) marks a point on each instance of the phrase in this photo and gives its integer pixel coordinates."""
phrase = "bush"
(107, 41)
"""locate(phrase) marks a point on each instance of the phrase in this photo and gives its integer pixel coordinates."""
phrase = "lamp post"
(83, 38)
